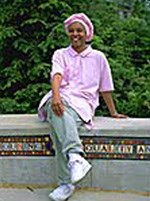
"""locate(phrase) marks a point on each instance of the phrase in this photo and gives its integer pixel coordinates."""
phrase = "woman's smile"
(77, 35)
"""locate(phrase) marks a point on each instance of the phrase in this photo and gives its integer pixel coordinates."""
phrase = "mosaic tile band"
(122, 148)
(26, 146)
(95, 147)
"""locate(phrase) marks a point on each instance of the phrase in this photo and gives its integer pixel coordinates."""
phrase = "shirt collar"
(84, 53)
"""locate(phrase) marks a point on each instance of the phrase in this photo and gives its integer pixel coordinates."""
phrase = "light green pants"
(65, 137)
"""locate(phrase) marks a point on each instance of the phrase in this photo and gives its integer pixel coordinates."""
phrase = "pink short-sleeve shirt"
(85, 75)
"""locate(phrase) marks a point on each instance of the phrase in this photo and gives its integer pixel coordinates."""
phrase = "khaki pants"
(65, 137)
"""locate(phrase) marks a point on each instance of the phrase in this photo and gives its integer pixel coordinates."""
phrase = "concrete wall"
(119, 150)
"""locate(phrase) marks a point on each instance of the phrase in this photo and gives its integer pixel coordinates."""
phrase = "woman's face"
(77, 35)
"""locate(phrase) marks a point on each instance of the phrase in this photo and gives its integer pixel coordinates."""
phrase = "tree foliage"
(30, 31)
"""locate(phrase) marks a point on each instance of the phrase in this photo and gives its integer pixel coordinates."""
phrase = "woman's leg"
(62, 161)
(65, 138)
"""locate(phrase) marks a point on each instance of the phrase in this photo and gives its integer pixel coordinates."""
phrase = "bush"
(30, 31)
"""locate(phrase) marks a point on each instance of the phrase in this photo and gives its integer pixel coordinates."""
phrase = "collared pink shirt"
(85, 75)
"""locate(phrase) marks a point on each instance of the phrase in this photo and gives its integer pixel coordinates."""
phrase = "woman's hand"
(57, 107)
(119, 116)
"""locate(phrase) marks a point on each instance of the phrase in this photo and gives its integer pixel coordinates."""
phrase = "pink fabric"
(84, 76)
(84, 20)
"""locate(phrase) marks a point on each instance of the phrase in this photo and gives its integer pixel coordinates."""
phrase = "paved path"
(41, 194)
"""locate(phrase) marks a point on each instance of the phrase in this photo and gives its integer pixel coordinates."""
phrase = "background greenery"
(30, 31)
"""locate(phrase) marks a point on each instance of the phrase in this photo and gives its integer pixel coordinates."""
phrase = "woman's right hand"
(57, 106)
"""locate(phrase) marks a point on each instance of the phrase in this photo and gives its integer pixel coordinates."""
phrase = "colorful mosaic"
(26, 146)
(95, 147)
(124, 148)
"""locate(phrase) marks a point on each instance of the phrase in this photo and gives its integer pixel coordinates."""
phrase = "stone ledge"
(121, 145)
(126, 139)
(24, 123)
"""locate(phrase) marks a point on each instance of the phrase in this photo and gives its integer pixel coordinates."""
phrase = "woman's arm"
(57, 104)
(107, 96)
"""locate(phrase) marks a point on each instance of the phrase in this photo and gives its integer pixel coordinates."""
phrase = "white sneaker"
(63, 192)
(79, 167)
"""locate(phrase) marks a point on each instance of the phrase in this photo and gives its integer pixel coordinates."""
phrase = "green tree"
(30, 31)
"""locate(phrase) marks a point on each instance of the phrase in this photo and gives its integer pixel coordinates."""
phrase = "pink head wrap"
(84, 20)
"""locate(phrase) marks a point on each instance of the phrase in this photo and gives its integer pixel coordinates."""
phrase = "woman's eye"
(79, 30)
(70, 30)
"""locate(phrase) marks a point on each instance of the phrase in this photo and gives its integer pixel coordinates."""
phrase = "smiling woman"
(79, 74)
(82, 19)
(77, 35)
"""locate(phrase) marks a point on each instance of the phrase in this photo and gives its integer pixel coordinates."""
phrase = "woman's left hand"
(119, 116)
